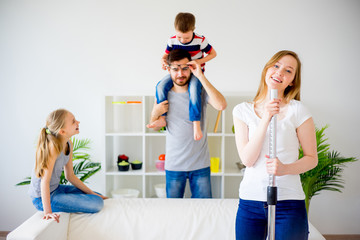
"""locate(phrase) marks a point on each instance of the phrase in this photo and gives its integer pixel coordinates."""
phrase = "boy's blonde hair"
(291, 92)
(184, 22)
(49, 135)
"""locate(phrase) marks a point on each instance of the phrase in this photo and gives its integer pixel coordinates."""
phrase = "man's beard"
(184, 83)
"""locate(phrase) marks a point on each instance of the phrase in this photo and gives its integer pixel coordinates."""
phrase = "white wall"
(72, 53)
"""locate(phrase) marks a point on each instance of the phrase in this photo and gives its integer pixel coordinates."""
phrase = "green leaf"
(327, 175)
(25, 182)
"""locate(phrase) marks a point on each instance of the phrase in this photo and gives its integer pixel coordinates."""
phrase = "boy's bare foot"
(197, 130)
(161, 122)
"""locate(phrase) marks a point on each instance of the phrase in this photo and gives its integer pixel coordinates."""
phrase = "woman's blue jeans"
(195, 88)
(291, 220)
(68, 198)
(199, 181)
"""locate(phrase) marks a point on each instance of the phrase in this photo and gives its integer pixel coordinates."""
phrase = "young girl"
(53, 154)
(294, 126)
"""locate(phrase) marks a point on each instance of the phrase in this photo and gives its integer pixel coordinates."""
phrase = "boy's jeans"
(200, 184)
(195, 87)
(291, 221)
(68, 198)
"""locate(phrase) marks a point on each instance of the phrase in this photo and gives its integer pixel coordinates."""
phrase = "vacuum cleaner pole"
(272, 189)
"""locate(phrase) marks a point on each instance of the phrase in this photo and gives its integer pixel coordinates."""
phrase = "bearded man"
(186, 158)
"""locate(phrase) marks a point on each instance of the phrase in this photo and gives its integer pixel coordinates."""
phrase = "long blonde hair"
(49, 135)
(291, 92)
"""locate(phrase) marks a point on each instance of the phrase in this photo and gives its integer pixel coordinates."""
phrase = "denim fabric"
(162, 89)
(200, 184)
(68, 198)
(195, 88)
(291, 221)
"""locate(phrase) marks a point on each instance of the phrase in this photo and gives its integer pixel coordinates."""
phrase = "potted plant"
(83, 166)
(327, 175)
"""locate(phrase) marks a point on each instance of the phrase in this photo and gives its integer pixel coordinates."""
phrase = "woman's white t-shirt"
(256, 179)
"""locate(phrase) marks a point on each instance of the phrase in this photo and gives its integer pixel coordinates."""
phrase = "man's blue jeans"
(199, 181)
(195, 88)
(291, 221)
(68, 198)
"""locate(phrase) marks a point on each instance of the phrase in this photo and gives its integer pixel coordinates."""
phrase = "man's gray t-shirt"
(183, 153)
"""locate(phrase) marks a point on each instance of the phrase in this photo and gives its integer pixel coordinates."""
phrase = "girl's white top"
(256, 179)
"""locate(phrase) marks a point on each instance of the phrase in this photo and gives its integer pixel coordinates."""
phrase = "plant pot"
(136, 165)
(123, 166)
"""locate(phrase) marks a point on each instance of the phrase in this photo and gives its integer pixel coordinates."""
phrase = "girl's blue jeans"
(291, 221)
(68, 198)
(195, 87)
(199, 181)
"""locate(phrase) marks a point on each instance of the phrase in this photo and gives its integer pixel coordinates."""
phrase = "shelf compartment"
(124, 181)
(124, 114)
(216, 183)
(211, 116)
(231, 156)
(131, 146)
(232, 101)
(214, 143)
(154, 146)
(151, 181)
(231, 185)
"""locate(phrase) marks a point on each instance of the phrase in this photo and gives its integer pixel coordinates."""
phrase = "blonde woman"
(295, 127)
(53, 155)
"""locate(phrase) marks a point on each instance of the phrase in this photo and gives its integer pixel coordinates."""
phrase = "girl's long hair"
(49, 138)
(291, 92)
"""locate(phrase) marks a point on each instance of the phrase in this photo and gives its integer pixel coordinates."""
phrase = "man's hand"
(195, 68)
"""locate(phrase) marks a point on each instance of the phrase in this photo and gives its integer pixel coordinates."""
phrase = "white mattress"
(168, 219)
(157, 219)
(142, 219)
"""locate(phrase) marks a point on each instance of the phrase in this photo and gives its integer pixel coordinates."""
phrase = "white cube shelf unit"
(126, 133)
